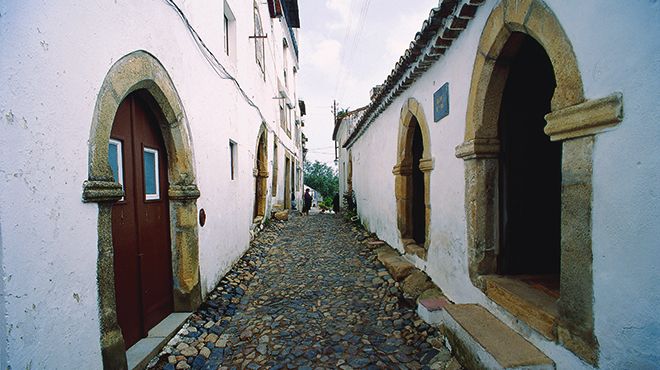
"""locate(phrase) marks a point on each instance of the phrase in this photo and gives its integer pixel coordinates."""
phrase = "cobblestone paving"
(308, 294)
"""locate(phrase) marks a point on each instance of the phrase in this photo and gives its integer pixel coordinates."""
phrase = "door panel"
(140, 226)
(124, 236)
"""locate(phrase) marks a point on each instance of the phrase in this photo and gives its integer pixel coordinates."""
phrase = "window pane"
(232, 159)
(151, 173)
(113, 158)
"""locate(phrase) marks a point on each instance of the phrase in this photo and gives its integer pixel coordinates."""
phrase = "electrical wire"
(350, 51)
(219, 69)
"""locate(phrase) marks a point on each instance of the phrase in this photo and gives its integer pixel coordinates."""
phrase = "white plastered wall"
(618, 49)
(55, 59)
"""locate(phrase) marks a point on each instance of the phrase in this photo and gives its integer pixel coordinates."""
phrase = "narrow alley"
(309, 293)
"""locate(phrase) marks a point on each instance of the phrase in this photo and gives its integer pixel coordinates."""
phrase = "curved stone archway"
(142, 71)
(260, 173)
(572, 119)
(412, 117)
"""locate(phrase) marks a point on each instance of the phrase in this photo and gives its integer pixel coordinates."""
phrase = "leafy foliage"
(321, 178)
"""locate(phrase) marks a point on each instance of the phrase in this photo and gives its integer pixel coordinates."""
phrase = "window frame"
(156, 195)
(120, 163)
(233, 160)
(259, 45)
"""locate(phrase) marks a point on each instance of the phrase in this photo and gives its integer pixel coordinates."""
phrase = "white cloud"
(343, 9)
(325, 55)
(403, 32)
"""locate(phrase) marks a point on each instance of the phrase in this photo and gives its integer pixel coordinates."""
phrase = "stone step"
(481, 341)
(430, 305)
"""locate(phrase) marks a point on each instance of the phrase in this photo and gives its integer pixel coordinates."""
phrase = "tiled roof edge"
(443, 25)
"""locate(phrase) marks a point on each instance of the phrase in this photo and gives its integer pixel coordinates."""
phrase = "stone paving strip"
(310, 293)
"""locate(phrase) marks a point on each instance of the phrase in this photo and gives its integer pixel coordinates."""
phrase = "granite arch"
(573, 120)
(141, 71)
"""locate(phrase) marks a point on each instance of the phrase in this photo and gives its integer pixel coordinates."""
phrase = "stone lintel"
(183, 192)
(586, 118)
(478, 148)
(102, 191)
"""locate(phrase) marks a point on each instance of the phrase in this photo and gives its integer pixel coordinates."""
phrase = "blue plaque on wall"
(441, 103)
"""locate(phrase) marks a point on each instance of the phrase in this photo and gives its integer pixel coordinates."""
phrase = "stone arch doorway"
(140, 71)
(261, 176)
(572, 121)
(412, 179)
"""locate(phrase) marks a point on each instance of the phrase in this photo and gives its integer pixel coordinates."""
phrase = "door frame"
(402, 171)
(140, 70)
(261, 174)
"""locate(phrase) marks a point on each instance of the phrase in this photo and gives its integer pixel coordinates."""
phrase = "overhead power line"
(219, 69)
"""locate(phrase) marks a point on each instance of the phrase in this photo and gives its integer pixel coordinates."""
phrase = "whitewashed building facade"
(171, 124)
(343, 129)
(537, 178)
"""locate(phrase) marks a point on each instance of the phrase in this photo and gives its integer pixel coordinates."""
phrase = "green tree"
(321, 178)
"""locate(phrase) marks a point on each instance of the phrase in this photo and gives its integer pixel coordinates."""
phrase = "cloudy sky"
(346, 48)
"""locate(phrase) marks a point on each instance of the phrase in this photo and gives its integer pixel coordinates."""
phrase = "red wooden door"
(140, 221)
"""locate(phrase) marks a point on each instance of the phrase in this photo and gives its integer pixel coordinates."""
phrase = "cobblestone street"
(309, 293)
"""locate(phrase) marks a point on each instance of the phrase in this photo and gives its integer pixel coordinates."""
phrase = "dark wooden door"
(140, 221)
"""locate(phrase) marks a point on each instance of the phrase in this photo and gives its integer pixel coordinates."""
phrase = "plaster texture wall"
(617, 49)
(54, 61)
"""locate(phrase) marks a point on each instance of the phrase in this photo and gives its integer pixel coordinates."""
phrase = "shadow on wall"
(3, 308)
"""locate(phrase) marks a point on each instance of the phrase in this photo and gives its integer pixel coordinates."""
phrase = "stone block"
(416, 250)
(385, 251)
(282, 215)
(398, 267)
(431, 293)
(531, 306)
(186, 216)
(480, 341)
(416, 283)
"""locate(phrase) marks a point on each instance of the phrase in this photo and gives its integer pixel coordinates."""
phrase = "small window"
(229, 30)
(282, 117)
(285, 63)
(232, 159)
(151, 183)
(116, 160)
(258, 40)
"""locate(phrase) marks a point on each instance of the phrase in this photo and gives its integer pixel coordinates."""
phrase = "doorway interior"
(529, 170)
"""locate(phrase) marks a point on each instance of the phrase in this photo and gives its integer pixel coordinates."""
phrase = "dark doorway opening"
(530, 166)
(418, 190)
(287, 183)
(261, 190)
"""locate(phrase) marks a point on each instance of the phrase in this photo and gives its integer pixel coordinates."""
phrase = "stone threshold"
(139, 355)
(481, 341)
(532, 304)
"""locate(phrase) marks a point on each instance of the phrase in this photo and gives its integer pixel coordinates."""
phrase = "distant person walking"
(307, 203)
(335, 203)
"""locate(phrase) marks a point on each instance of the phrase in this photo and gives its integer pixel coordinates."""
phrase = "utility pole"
(334, 110)
(334, 122)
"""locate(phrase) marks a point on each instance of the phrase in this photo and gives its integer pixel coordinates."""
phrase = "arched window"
(259, 41)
